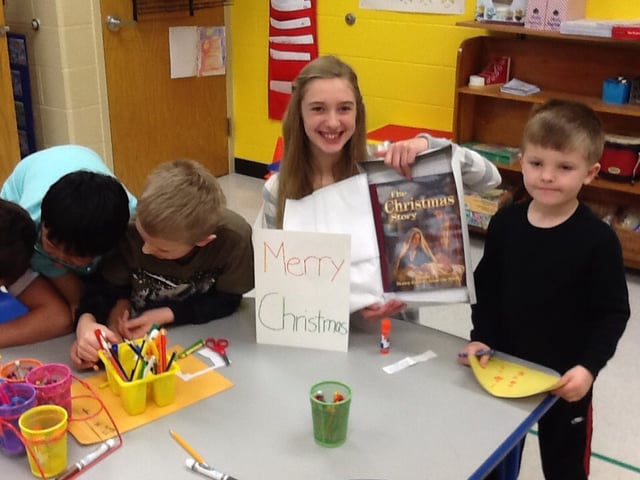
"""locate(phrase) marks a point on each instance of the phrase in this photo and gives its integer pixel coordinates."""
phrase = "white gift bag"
(344, 207)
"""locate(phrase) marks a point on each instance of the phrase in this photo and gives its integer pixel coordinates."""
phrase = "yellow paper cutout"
(503, 378)
(88, 429)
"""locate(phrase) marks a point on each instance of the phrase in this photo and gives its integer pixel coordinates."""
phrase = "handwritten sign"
(302, 289)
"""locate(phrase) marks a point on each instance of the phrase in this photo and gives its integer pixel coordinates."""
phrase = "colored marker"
(479, 353)
(206, 471)
(191, 348)
(87, 460)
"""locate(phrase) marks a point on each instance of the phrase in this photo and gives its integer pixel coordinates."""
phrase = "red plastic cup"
(52, 382)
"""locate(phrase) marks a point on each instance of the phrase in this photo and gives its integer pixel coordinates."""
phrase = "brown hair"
(17, 238)
(181, 201)
(294, 178)
(565, 126)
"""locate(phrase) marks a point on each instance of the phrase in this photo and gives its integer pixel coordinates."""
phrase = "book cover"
(421, 229)
(419, 233)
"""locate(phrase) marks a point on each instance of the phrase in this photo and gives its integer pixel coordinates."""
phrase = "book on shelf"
(421, 229)
(626, 31)
(499, 154)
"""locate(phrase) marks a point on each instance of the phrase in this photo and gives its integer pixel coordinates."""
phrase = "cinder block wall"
(67, 72)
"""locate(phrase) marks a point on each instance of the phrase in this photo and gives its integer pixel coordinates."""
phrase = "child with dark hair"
(47, 316)
(80, 209)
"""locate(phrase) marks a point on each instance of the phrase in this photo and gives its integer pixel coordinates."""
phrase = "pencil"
(187, 447)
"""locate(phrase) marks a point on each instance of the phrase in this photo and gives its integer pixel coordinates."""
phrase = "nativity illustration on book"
(419, 233)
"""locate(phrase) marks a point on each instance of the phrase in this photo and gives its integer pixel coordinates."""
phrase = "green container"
(330, 402)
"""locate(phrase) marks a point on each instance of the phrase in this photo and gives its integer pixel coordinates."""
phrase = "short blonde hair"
(564, 126)
(181, 202)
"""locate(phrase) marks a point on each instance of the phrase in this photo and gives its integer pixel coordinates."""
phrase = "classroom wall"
(67, 74)
(405, 63)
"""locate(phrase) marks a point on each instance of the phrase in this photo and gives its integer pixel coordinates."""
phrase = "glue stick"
(385, 332)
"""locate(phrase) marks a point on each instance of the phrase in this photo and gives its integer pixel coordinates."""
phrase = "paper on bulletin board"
(417, 6)
(197, 51)
(90, 425)
(510, 379)
(302, 289)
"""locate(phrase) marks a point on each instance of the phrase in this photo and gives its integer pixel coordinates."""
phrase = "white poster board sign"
(302, 289)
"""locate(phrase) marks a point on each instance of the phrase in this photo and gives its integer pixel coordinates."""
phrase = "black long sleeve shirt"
(555, 296)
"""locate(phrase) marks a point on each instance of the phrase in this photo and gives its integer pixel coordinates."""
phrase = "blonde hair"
(294, 178)
(181, 202)
(565, 126)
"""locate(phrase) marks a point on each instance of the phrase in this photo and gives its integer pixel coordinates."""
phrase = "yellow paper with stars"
(504, 378)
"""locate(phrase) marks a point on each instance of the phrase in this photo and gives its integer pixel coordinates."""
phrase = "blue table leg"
(509, 468)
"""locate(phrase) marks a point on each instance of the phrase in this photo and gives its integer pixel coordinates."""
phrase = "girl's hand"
(402, 155)
(376, 312)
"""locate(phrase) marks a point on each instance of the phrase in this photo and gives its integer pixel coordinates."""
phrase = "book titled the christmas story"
(421, 229)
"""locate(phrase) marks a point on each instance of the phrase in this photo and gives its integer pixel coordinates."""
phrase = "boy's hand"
(84, 350)
(376, 312)
(574, 384)
(472, 348)
(133, 328)
(402, 155)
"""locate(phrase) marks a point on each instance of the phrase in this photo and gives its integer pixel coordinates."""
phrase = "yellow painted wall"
(405, 63)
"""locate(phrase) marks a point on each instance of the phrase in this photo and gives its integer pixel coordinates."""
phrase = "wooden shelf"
(564, 67)
(519, 30)
(541, 97)
(597, 184)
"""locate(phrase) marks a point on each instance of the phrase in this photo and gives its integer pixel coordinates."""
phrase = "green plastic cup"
(330, 402)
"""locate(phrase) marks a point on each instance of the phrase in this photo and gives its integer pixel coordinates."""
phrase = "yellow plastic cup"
(45, 431)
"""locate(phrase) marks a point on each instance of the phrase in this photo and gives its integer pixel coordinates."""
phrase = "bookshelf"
(563, 67)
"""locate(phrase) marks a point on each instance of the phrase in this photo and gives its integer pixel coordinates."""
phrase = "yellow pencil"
(187, 447)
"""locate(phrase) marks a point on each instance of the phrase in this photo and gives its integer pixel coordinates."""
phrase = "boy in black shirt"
(551, 284)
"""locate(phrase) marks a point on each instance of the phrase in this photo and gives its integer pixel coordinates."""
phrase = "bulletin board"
(19, 66)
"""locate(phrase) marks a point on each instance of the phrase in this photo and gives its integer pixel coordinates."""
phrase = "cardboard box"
(479, 208)
(559, 11)
(536, 14)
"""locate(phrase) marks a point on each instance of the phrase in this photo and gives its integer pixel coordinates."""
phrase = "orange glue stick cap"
(385, 330)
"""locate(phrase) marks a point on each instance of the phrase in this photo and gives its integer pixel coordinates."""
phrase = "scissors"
(219, 346)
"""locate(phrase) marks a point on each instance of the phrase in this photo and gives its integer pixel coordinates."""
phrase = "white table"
(430, 421)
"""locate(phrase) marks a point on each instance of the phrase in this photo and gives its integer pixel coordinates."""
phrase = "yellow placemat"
(507, 379)
(90, 425)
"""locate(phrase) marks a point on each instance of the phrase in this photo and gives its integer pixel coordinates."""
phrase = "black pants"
(564, 437)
